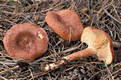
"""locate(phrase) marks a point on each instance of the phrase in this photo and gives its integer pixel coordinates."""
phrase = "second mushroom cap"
(66, 23)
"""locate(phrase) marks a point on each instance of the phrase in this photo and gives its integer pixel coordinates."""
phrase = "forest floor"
(102, 14)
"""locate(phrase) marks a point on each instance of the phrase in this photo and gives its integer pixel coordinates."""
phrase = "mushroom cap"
(99, 40)
(66, 23)
(26, 41)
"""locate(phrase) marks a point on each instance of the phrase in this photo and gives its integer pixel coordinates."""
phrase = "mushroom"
(99, 44)
(27, 41)
(66, 23)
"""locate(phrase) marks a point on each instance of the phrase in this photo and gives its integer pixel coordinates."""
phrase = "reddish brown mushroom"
(27, 41)
(99, 44)
(66, 23)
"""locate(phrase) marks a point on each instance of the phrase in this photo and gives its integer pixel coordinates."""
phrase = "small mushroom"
(99, 44)
(27, 41)
(66, 23)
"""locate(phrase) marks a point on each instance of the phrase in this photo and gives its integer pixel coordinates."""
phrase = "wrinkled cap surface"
(66, 23)
(99, 40)
(26, 41)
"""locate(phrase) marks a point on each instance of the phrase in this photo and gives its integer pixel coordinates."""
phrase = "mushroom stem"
(80, 54)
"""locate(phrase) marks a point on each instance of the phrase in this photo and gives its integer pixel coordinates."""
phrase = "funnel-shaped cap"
(99, 40)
